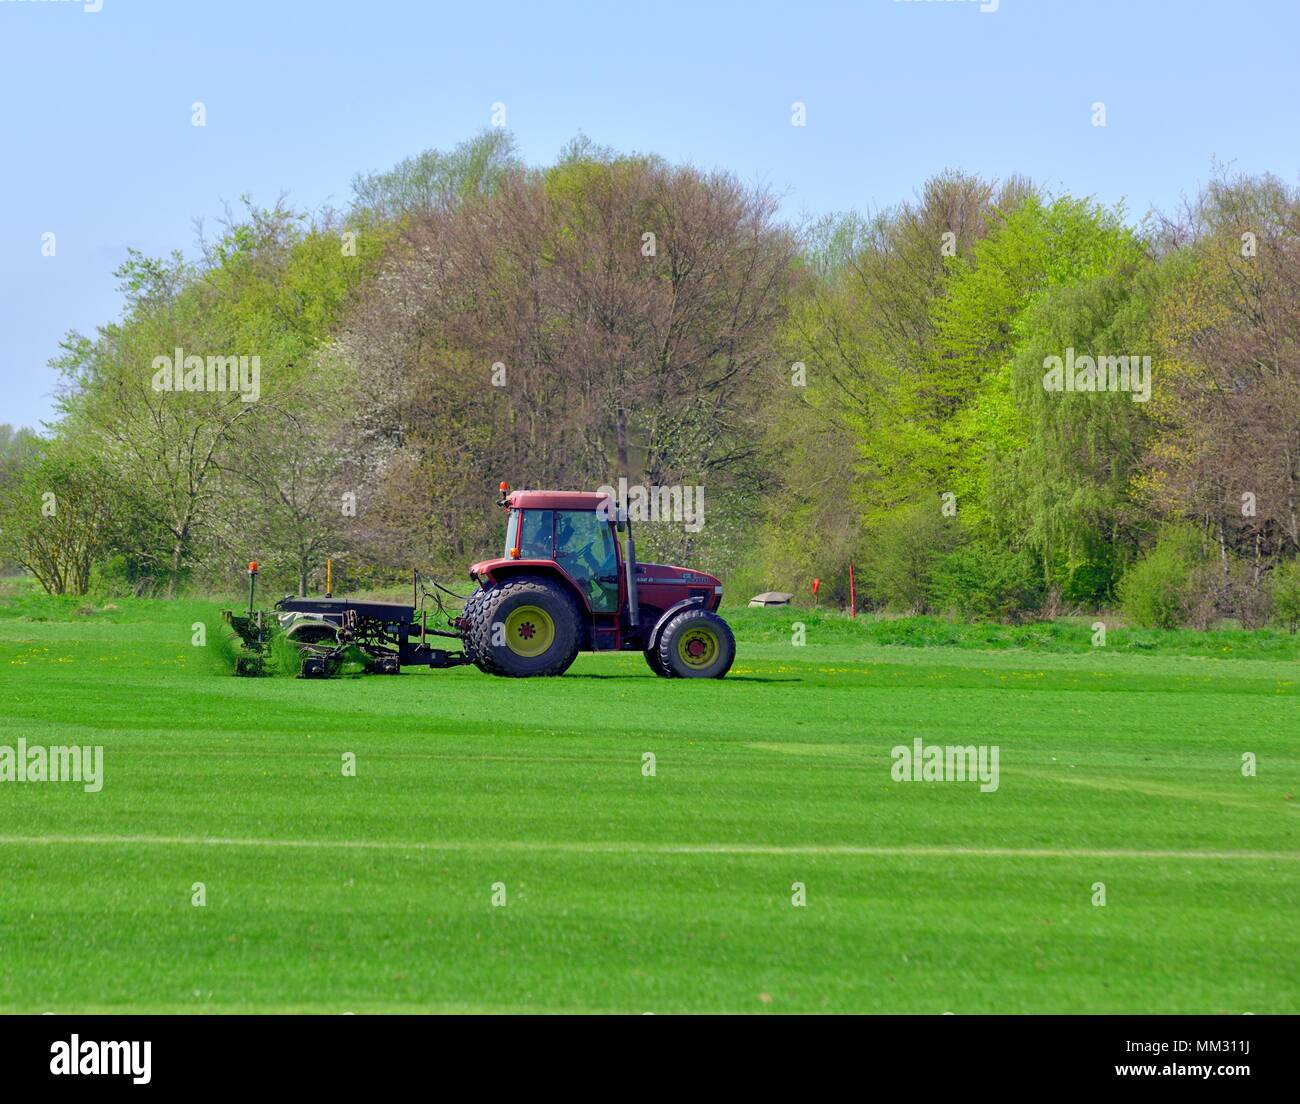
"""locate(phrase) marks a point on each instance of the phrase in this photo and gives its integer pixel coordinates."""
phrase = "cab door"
(586, 549)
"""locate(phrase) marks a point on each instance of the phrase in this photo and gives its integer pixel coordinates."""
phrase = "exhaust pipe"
(629, 568)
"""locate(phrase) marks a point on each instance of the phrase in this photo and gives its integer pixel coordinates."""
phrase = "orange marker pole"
(853, 602)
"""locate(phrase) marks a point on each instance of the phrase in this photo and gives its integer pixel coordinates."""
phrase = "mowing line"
(1152, 788)
(616, 848)
(1167, 790)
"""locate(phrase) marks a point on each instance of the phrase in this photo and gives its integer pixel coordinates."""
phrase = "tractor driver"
(586, 552)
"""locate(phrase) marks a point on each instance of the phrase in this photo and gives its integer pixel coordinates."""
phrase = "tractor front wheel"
(655, 663)
(526, 627)
(697, 644)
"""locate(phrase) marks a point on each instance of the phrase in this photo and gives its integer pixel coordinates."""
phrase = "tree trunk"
(620, 441)
(174, 573)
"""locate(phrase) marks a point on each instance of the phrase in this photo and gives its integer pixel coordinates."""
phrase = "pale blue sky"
(96, 143)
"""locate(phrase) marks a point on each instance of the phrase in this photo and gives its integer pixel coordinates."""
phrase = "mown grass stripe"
(617, 848)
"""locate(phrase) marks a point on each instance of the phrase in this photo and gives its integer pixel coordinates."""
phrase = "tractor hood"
(652, 574)
(662, 586)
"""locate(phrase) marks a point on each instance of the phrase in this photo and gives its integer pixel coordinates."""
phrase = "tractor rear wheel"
(470, 614)
(697, 644)
(526, 627)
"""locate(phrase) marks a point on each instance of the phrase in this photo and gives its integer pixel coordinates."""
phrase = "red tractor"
(566, 584)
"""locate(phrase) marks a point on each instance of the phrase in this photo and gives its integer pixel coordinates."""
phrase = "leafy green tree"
(1066, 492)
(269, 290)
(903, 553)
(984, 318)
(985, 582)
(58, 517)
(1154, 591)
(435, 180)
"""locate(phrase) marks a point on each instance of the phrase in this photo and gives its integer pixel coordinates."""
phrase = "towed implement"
(323, 634)
(568, 581)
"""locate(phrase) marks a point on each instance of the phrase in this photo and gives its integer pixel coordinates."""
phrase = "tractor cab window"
(584, 547)
(536, 542)
(512, 531)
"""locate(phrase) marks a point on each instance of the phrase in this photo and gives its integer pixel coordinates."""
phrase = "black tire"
(653, 662)
(511, 602)
(470, 614)
(649, 617)
(718, 645)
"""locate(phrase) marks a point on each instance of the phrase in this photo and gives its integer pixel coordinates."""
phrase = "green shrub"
(1285, 586)
(984, 582)
(1088, 583)
(903, 554)
(1154, 592)
(122, 576)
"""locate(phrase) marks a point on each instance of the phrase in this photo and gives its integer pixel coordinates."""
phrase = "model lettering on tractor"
(567, 581)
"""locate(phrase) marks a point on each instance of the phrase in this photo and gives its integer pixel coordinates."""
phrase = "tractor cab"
(580, 541)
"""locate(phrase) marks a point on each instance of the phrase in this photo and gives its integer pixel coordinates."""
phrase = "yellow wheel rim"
(697, 647)
(529, 631)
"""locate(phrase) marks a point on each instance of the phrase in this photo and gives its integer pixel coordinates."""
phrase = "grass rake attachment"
(323, 637)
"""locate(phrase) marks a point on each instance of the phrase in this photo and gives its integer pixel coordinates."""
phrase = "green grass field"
(672, 893)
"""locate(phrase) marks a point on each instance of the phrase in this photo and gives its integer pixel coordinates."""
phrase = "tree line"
(993, 401)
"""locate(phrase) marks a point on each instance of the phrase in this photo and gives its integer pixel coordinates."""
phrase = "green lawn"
(624, 893)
